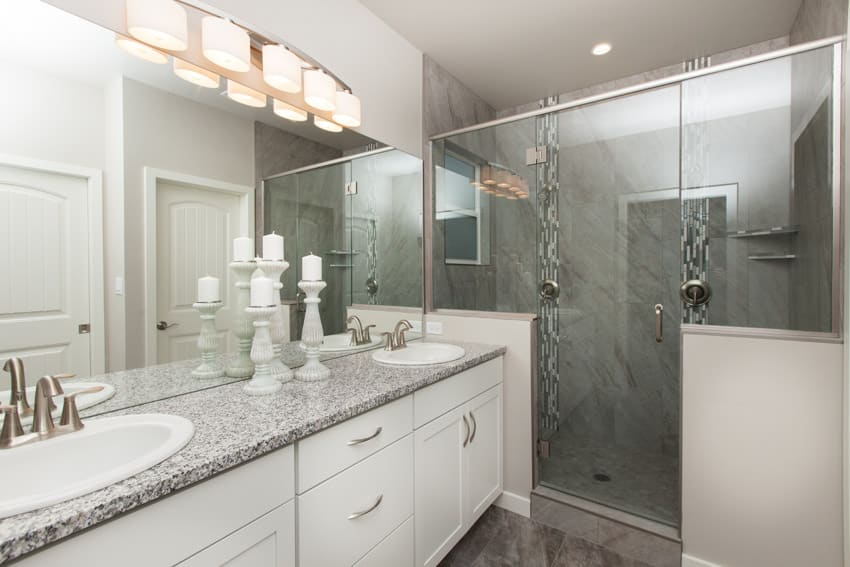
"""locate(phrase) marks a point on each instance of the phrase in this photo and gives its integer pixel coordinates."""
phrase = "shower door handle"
(659, 323)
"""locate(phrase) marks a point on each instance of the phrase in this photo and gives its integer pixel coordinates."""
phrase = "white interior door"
(194, 231)
(44, 254)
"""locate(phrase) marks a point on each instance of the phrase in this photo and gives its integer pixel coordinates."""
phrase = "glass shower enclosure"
(707, 202)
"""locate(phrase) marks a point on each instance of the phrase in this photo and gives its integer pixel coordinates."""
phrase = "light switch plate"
(119, 285)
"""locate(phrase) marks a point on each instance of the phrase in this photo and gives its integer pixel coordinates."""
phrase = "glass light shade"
(319, 90)
(326, 124)
(288, 111)
(245, 95)
(195, 75)
(161, 23)
(226, 44)
(522, 195)
(347, 110)
(281, 69)
(140, 50)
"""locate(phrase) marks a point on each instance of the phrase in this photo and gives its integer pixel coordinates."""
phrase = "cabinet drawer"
(435, 400)
(328, 535)
(395, 551)
(330, 451)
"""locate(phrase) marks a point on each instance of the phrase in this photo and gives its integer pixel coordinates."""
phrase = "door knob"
(163, 325)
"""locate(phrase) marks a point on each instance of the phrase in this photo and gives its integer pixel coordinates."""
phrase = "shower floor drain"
(601, 477)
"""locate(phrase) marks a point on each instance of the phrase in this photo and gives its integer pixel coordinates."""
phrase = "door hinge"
(351, 188)
(84, 329)
(535, 155)
(542, 449)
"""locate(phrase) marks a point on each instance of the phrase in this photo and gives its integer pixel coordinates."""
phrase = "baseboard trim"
(514, 503)
(690, 561)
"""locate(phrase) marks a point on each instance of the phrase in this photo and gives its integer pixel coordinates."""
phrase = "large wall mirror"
(121, 184)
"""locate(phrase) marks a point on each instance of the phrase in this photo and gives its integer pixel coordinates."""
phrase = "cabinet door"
(268, 541)
(483, 454)
(438, 489)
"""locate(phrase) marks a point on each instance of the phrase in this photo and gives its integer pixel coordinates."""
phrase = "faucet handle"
(64, 376)
(11, 425)
(70, 412)
(367, 337)
(390, 344)
(355, 340)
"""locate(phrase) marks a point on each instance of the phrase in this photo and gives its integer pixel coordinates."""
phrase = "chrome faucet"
(15, 367)
(359, 335)
(396, 340)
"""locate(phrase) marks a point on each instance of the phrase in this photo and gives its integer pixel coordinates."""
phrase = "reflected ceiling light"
(347, 110)
(226, 44)
(288, 111)
(161, 23)
(326, 124)
(522, 195)
(319, 90)
(514, 189)
(195, 75)
(281, 68)
(511, 197)
(245, 95)
(140, 50)
(601, 48)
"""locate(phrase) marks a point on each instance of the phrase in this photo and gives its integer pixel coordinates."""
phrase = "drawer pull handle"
(371, 508)
(466, 423)
(474, 427)
(364, 439)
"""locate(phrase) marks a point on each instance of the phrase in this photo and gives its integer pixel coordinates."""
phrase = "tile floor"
(504, 539)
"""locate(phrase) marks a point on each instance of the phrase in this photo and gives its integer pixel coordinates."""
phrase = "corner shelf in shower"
(341, 266)
(342, 252)
(785, 229)
(773, 257)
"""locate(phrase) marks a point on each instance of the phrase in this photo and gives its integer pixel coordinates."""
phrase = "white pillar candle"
(273, 247)
(208, 290)
(243, 249)
(311, 268)
(262, 292)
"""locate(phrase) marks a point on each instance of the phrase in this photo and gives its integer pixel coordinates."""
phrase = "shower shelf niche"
(342, 252)
(785, 229)
(341, 266)
(773, 257)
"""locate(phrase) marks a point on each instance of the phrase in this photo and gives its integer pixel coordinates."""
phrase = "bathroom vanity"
(378, 466)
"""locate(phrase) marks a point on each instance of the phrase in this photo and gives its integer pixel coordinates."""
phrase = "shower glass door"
(609, 235)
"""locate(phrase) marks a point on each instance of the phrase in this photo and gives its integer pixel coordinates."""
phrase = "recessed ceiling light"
(601, 48)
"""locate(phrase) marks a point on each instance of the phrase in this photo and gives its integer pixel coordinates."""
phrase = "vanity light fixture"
(195, 75)
(226, 44)
(601, 48)
(281, 68)
(140, 50)
(319, 90)
(347, 111)
(326, 124)
(288, 111)
(160, 23)
(245, 95)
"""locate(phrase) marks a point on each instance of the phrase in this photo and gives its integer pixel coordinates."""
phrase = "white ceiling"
(511, 52)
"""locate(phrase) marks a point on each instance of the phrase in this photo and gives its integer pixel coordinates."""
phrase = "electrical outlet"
(434, 328)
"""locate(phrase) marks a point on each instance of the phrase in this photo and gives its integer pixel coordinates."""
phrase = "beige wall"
(761, 452)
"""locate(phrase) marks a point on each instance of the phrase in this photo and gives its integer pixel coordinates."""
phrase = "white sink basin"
(105, 451)
(419, 354)
(342, 343)
(83, 400)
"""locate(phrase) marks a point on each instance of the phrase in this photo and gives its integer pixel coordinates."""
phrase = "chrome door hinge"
(84, 329)
(535, 155)
(542, 449)
(351, 188)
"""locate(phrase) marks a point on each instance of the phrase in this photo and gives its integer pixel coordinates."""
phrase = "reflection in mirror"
(121, 184)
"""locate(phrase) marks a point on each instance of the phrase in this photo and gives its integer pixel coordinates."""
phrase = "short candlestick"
(262, 353)
(241, 365)
(312, 334)
(274, 269)
(208, 341)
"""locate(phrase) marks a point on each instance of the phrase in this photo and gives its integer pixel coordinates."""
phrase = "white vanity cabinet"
(458, 457)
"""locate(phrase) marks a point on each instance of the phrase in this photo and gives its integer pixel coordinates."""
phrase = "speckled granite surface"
(224, 438)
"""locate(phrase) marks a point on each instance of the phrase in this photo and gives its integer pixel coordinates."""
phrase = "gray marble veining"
(224, 438)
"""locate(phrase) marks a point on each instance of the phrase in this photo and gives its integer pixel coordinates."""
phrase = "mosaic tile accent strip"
(695, 252)
(549, 268)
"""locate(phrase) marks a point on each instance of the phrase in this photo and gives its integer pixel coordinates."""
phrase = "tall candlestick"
(262, 353)
(243, 249)
(208, 339)
(241, 365)
(273, 247)
(208, 290)
(274, 269)
(311, 268)
(312, 334)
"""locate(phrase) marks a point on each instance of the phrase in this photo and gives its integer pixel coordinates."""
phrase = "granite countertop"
(224, 439)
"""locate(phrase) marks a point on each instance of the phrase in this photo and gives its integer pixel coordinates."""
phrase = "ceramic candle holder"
(312, 334)
(208, 341)
(262, 353)
(274, 269)
(241, 365)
